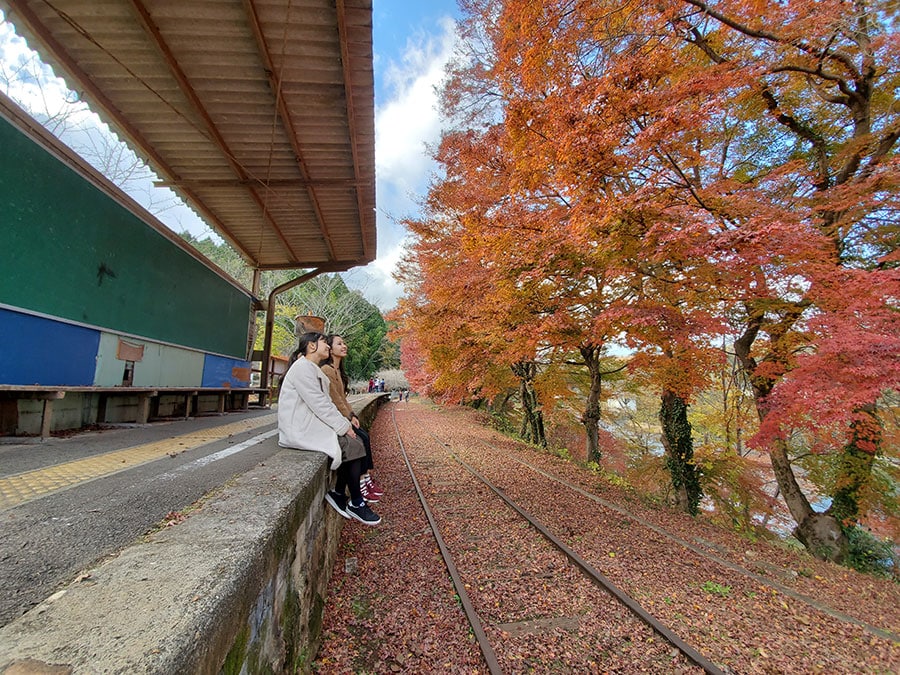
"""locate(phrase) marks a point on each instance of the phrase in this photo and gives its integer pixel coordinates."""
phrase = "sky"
(412, 41)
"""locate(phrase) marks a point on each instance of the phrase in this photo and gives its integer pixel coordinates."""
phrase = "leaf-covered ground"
(748, 607)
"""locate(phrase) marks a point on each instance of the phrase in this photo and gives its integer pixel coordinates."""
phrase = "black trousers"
(348, 474)
(364, 437)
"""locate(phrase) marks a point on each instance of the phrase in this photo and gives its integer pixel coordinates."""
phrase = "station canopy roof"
(259, 113)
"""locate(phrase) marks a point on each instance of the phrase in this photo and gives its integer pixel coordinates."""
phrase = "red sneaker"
(373, 486)
(369, 495)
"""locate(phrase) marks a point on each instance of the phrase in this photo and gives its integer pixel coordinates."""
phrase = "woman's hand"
(354, 421)
(350, 432)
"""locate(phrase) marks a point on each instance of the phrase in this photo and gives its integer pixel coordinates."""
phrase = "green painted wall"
(69, 250)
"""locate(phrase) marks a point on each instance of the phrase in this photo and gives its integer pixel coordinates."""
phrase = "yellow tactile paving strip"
(24, 487)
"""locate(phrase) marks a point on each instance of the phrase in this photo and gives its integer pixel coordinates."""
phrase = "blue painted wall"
(218, 371)
(35, 350)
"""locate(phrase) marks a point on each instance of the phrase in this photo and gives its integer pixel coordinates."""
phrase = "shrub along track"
(539, 613)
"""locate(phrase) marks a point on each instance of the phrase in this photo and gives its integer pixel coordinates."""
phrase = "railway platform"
(185, 547)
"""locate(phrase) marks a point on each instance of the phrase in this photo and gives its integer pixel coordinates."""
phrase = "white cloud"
(410, 118)
(375, 280)
(31, 83)
(405, 125)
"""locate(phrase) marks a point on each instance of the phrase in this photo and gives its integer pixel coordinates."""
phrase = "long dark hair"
(329, 361)
(305, 340)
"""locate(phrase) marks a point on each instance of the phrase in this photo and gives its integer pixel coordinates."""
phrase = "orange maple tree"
(466, 319)
(763, 158)
(682, 171)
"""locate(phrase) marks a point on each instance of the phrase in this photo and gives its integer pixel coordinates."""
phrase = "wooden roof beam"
(213, 132)
(284, 115)
(351, 123)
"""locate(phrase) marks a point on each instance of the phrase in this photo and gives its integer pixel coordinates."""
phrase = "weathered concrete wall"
(80, 409)
(71, 412)
(239, 586)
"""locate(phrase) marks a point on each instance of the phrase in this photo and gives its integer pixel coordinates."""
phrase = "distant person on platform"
(309, 420)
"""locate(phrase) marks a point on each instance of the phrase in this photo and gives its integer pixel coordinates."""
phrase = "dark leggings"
(364, 437)
(348, 474)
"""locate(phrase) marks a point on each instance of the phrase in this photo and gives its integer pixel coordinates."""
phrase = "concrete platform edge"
(237, 586)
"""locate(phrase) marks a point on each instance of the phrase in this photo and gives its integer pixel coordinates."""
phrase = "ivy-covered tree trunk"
(679, 447)
(591, 418)
(855, 469)
(532, 429)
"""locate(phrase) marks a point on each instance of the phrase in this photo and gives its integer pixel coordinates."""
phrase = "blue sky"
(412, 42)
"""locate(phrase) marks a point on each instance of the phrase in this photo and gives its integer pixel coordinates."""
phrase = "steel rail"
(594, 574)
(882, 633)
(591, 572)
(474, 621)
(734, 567)
(600, 579)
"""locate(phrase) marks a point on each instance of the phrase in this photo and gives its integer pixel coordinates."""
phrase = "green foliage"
(283, 339)
(500, 420)
(366, 341)
(222, 255)
(679, 446)
(346, 312)
(610, 477)
(735, 486)
(562, 453)
(362, 607)
(724, 414)
(869, 554)
(880, 496)
(714, 588)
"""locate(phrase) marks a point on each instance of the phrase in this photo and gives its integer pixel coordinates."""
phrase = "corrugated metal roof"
(259, 113)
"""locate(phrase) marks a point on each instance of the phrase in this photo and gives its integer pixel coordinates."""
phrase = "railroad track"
(691, 654)
(480, 490)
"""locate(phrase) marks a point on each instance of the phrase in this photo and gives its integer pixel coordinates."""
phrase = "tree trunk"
(591, 418)
(856, 463)
(820, 533)
(679, 446)
(532, 429)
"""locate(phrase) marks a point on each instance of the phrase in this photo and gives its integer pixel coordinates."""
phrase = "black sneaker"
(363, 514)
(338, 502)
